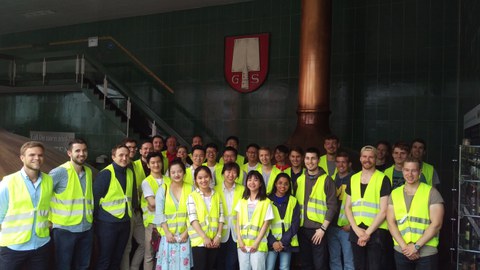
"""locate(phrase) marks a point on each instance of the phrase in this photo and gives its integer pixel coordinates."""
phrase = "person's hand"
(254, 247)
(277, 246)
(207, 242)
(184, 237)
(346, 228)
(242, 247)
(318, 236)
(170, 237)
(411, 252)
(216, 242)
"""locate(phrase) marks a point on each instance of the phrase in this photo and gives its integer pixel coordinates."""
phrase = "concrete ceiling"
(25, 15)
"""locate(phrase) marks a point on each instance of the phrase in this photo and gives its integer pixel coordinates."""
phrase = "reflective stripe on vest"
(366, 209)
(316, 206)
(18, 221)
(68, 208)
(208, 220)
(148, 216)
(237, 195)
(176, 218)
(322, 163)
(412, 224)
(249, 229)
(115, 199)
(276, 225)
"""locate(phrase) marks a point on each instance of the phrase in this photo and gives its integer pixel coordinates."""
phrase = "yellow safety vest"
(115, 199)
(237, 195)
(366, 209)
(165, 161)
(139, 173)
(147, 215)
(427, 171)
(258, 168)
(275, 171)
(67, 208)
(176, 217)
(322, 163)
(389, 173)
(316, 205)
(188, 178)
(413, 223)
(208, 220)
(276, 225)
(342, 218)
(18, 221)
(249, 229)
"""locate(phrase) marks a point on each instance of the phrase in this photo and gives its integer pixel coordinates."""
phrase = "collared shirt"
(60, 182)
(34, 189)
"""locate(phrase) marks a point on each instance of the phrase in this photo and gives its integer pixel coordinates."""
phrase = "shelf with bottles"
(469, 234)
(468, 261)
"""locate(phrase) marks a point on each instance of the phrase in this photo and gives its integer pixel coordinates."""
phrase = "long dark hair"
(262, 192)
(284, 175)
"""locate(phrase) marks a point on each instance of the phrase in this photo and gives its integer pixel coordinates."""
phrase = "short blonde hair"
(369, 148)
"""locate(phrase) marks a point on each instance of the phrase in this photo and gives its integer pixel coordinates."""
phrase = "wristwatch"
(417, 247)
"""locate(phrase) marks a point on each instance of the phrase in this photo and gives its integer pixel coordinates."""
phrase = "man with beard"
(137, 230)
(316, 195)
(72, 209)
(331, 143)
(24, 208)
(365, 208)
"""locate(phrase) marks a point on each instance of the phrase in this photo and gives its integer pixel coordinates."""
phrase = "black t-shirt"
(384, 191)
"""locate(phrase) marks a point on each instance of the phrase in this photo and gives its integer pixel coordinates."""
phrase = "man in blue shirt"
(72, 209)
(24, 208)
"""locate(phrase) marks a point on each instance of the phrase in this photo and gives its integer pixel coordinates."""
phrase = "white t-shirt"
(251, 208)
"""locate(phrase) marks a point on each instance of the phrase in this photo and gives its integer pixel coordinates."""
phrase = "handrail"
(84, 40)
(125, 91)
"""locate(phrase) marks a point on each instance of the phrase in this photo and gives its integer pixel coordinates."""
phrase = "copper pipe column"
(314, 75)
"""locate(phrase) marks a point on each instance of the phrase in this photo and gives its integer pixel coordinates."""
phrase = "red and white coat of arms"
(246, 61)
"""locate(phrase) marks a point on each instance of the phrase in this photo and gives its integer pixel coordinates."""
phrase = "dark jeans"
(37, 259)
(227, 255)
(72, 250)
(372, 256)
(312, 256)
(204, 258)
(424, 263)
(112, 238)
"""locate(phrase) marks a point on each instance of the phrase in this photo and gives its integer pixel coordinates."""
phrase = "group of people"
(206, 211)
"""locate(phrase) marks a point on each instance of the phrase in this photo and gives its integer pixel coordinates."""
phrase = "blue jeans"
(37, 259)
(252, 261)
(338, 247)
(424, 263)
(72, 250)
(284, 263)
